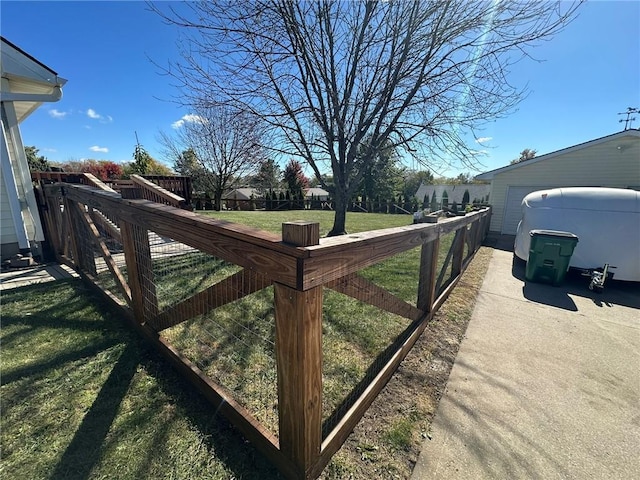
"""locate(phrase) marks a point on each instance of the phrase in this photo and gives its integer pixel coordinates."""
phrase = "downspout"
(12, 193)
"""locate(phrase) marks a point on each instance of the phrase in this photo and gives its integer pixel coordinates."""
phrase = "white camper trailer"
(606, 221)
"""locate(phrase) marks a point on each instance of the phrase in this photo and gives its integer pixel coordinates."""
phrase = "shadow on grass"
(42, 367)
(90, 440)
(110, 420)
(84, 450)
(222, 440)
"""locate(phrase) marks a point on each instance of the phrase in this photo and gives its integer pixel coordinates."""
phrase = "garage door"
(513, 209)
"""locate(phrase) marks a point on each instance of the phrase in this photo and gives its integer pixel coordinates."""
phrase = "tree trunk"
(340, 217)
(217, 200)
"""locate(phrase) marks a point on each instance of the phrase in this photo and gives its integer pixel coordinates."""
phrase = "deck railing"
(248, 315)
(170, 190)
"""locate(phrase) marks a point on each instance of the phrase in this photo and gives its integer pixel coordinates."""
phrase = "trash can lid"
(553, 233)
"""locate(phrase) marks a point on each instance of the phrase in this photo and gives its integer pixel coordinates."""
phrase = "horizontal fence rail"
(256, 320)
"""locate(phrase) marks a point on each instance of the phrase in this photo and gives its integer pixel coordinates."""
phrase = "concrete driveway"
(546, 384)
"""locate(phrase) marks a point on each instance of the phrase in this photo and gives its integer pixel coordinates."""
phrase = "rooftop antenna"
(138, 151)
(138, 143)
(629, 120)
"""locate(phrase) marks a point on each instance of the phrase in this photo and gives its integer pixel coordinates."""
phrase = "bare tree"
(227, 145)
(526, 154)
(340, 80)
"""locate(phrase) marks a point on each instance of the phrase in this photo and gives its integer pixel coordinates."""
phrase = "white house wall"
(601, 165)
(20, 168)
(7, 228)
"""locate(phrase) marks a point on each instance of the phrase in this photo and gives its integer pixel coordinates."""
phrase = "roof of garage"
(625, 133)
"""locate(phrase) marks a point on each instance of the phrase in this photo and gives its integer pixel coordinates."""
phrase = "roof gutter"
(54, 96)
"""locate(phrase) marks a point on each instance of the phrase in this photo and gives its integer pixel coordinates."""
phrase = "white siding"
(513, 207)
(600, 165)
(22, 176)
(7, 229)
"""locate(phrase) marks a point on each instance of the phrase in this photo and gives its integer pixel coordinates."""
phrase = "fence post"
(458, 251)
(298, 316)
(137, 254)
(482, 230)
(486, 223)
(82, 257)
(476, 236)
(428, 275)
(83, 245)
(51, 213)
(69, 234)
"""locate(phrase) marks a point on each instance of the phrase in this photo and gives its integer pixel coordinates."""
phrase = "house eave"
(26, 81)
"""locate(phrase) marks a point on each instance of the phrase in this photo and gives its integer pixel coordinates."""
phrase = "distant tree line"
(385, 188)
(286, 200)
(142, 164)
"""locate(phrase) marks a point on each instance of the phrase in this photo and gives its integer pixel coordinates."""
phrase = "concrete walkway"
(546, 384)
(36, 274)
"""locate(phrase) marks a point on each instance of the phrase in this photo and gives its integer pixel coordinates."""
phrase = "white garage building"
(611, 161)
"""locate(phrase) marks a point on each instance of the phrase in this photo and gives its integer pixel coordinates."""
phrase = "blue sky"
(587, 74)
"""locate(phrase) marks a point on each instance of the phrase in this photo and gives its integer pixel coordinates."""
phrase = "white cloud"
(96, 148)
(484, 139)
(91, 113)
(189, 118)
(479, 153)
(57, 113)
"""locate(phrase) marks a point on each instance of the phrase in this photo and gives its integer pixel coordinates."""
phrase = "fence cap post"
(301, 233)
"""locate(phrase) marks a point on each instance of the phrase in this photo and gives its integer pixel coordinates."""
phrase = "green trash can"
(549, 256)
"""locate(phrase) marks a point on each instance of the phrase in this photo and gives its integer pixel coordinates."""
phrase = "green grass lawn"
(272, 221)
(83, 397)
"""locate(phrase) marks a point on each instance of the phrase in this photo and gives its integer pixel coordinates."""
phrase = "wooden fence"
(105, 236)
(356, 205)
